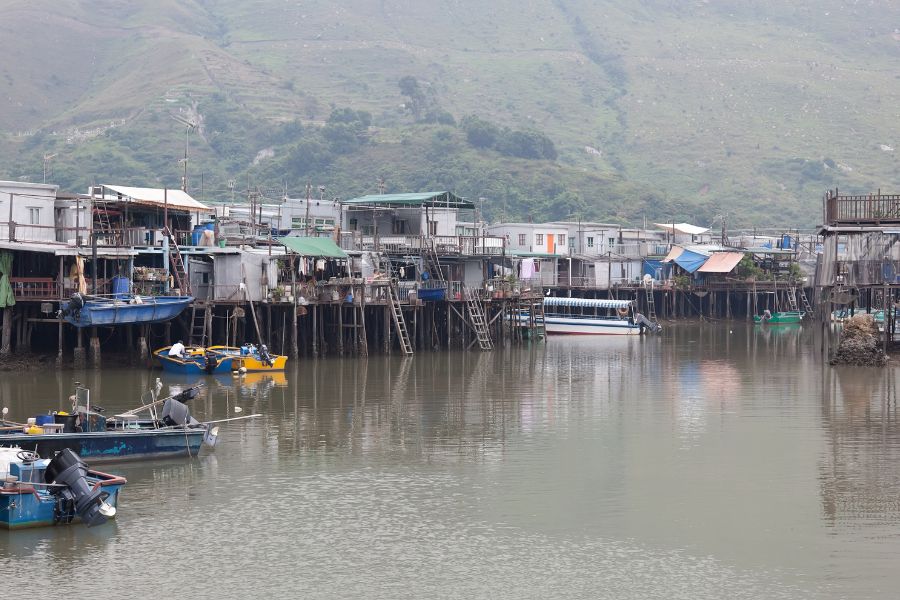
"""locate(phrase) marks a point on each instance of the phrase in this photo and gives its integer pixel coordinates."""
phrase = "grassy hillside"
(655, 108)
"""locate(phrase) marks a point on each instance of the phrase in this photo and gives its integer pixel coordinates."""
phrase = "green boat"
(779, 317)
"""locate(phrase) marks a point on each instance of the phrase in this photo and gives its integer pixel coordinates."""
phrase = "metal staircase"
(199, 318)
(477, 318)
(399, 321)
(177, 263)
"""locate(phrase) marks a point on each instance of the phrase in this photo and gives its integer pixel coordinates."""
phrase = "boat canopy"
(586, 302)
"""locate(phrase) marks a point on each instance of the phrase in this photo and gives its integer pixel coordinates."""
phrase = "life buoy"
(623, 312)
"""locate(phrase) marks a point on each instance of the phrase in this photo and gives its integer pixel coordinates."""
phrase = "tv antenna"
(189, 126)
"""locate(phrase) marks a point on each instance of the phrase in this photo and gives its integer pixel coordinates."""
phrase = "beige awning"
(721, 262)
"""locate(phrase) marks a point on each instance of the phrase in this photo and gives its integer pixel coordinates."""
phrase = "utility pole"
(308, 199)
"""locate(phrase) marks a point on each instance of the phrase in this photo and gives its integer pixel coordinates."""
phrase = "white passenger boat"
(591, 316)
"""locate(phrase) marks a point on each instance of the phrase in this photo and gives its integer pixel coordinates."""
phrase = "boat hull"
(584, 326)
(252, 363)
(26, 506)
(113, 311)
(780, 318)
(110, 446)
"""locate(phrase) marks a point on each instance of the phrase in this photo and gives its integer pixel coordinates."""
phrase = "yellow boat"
(250, 358)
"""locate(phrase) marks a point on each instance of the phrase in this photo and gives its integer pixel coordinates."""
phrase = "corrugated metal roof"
(310, 246)
(586, 302)
(416, 199)
(176, 199)
(721, 262)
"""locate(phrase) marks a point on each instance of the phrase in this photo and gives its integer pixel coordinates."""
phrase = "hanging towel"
(320, 264)
(527, 268)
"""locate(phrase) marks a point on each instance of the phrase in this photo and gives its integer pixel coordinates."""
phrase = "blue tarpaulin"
(690, 261)
(655, 268)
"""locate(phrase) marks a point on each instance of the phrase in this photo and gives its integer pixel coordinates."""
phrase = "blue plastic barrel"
(196, 234)
(211, 226)
(121, 286)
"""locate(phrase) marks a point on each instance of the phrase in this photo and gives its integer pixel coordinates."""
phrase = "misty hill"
(548, 108)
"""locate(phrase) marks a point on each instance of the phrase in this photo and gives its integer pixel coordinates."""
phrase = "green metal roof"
(447, 199)
(312, 246)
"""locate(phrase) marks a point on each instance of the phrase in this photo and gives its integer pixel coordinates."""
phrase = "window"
(298, 222)
(368, 229)
(460, 230)
(522, 238)
(612, 241)
(354, 224)
(432, 227)
(34, 215)
(590, 241)
(571, 241)
(539, 239)
(562, 241)
(323, 224)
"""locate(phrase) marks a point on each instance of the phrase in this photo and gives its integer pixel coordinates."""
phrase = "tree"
(417, 101)
(480, 133)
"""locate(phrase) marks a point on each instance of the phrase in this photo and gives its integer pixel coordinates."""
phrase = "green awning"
(312, 246)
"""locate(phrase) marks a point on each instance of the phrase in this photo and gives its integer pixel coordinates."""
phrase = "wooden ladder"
(177, 263)
(806, 305)
(399, 321)
(792, 299)
(434, 264)
(651, 303)
(199, 317)
(476, 316)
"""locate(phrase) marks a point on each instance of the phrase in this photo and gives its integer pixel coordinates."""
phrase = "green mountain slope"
(655, 108)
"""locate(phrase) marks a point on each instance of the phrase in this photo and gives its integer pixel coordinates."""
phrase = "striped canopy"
(586, 302)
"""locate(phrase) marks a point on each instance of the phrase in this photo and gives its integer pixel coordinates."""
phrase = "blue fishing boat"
(160, 428)
(194, 361)
(61, 490)
(91, 311)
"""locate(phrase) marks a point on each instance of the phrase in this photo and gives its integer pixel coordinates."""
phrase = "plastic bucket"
(67, 421)
(42, 420)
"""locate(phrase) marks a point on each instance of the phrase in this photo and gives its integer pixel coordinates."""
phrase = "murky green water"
(710, 462)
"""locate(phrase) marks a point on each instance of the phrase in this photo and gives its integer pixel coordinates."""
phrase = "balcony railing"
(863, 209)
(444, 245)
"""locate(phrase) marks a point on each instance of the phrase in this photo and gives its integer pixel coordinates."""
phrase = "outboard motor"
(176, 414)
(73, 307)
(646, 323)
(210, 364)
(265, 356)
(89, 504)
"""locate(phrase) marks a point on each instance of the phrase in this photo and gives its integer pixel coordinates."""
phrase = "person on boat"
(767, 314)
(177, 350)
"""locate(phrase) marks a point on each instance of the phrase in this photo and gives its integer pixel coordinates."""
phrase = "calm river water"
(713, 461)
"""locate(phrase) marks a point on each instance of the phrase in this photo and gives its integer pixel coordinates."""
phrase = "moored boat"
(590, 316)
(91, 311)
(787, 317)
(194, 361)
(249, 358)
(36, 492)
(166, 431)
